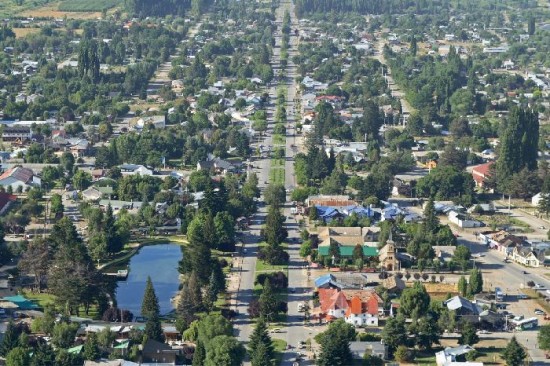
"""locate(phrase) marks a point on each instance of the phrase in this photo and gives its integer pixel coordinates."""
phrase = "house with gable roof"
(357, 307)
(19, 177)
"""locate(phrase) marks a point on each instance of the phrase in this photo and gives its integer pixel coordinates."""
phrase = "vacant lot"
(23, 32)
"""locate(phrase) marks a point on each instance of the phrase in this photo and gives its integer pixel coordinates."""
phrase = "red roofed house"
(482, 172)
(357, 307)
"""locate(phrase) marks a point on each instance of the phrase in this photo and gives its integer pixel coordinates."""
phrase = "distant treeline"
(304, 7)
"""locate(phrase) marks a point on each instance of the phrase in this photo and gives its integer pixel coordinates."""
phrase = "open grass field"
(87, 5)
(277, 176)
(23, 32)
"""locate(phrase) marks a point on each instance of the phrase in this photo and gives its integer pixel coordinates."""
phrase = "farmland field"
(87, 5)
(51, 10)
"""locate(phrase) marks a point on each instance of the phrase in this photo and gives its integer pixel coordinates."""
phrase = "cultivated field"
(52, 10)
(87, 5)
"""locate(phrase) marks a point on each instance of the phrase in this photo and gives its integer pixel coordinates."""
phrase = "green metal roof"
(347, 250)
(75, 350)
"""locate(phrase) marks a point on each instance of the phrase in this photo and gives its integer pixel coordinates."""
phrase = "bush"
(472, 355)
(278, 280)
(403, 354)
(368, 337)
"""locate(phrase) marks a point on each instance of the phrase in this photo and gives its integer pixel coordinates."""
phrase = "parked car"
(539, 286)
(539, 312)
(483, 332)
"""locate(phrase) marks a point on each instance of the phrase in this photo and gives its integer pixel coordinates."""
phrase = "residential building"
(462, 306)
(218, 165)
(19, 177)
(463, 221)
(357, 307)
(360, 349)
(158, 352)
(18, 134)
(333, 201)
(450, 355)
(481, 173)
(130, 169)
(535, 200)
(529, 256)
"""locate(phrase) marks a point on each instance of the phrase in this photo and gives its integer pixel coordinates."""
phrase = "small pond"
(160, 262)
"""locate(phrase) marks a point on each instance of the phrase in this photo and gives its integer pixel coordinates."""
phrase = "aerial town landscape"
(274, 182)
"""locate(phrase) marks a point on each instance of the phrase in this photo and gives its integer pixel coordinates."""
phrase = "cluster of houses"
(334, 207)
(353, 298)
(517, 248)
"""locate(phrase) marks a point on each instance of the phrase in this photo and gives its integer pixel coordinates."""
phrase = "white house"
(131, 169)
(448, 356)
(535, 200)
(462, 220)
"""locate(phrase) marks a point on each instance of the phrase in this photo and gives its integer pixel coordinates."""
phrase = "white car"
(539, 312)
(539, 286)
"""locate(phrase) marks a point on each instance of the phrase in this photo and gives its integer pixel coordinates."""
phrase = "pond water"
(160, 262)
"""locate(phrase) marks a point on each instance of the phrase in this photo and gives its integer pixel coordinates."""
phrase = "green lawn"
(277, 176)
(41, 299)
(261, 266)
(277, 163)
(44, 300)
(279, 346)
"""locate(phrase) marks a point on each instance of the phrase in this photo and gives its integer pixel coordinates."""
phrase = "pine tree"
(268, 301)
(150, 303)
(199, 355)
(91, 348)
(260, 339)
(44, 355)
(261, 357)
(518, 148)
(153, 328)
(10, 339)
(186, 309)
(514, 354)
(431, 222)
(195, 291)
